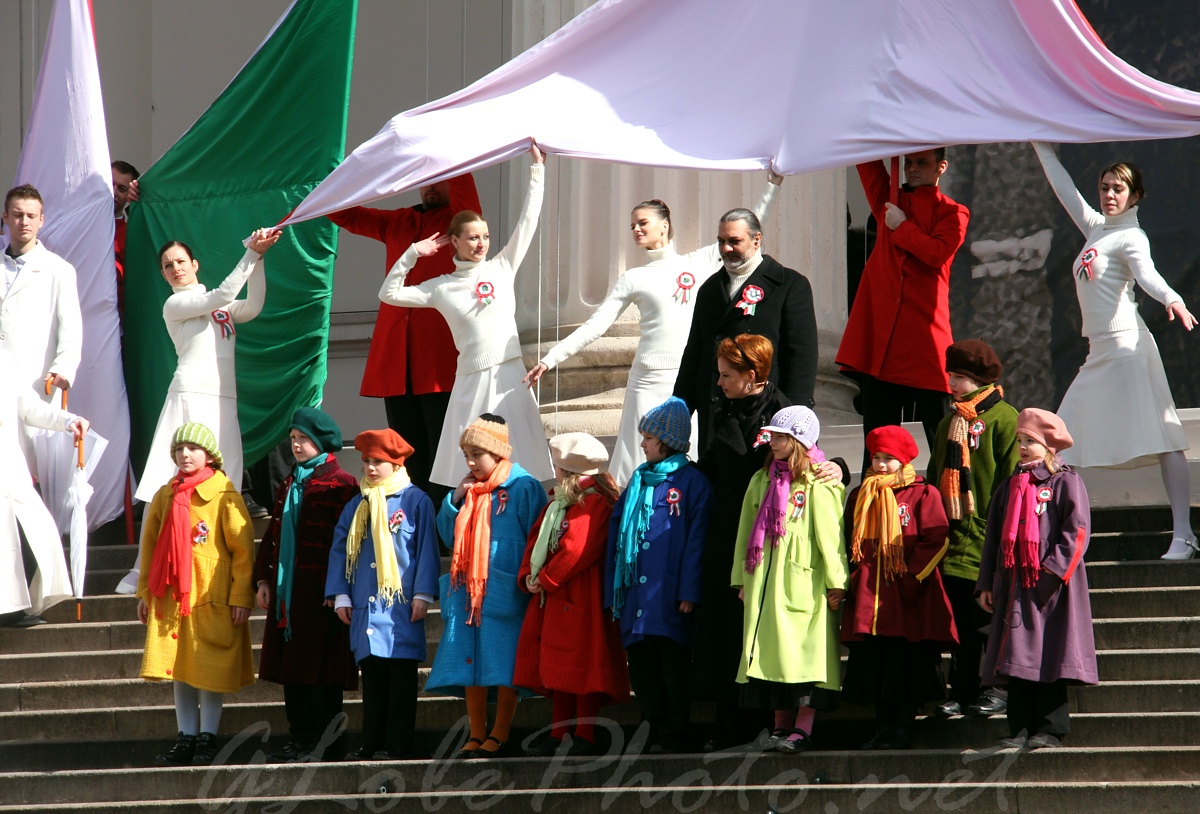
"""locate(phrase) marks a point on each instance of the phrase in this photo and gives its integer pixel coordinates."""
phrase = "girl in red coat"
(570, 649)
(898, 618)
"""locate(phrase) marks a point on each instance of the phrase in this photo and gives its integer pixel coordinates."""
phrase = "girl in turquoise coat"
(488, 516)
(790, 568)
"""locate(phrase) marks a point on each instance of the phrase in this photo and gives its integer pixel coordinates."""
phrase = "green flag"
(268, 139)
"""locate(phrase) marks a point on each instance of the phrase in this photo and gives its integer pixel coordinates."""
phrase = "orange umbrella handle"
(49, 385)
(79, 449)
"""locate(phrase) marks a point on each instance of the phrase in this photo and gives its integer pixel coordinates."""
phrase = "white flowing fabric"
(65, 155)
(796, 85)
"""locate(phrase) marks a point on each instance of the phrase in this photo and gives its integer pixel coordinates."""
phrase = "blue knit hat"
(670, 422)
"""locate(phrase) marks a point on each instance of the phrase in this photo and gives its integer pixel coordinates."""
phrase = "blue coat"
(670, 564)
(484, 655)
(375, 630)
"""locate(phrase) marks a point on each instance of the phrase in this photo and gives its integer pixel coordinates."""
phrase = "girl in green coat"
(791, 571)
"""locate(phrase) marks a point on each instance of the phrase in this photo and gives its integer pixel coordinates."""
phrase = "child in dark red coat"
(305, 647)
(898, 618)
(570, 649)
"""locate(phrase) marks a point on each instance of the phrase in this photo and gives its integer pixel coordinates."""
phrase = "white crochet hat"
(799, 422)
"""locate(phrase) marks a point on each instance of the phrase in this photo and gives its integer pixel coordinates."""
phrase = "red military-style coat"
(913, 606)
(899, 325)
(571, 644)
(319, 651)
(411, 345)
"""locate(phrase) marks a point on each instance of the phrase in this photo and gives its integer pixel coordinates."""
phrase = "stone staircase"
(79, 730)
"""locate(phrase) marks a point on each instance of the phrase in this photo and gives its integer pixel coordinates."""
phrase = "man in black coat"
(752, 294)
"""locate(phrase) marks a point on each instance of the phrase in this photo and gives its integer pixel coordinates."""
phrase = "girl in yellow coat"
(197, 593)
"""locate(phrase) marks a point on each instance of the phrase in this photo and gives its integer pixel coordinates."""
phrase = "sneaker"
(1043, 740)
(1182, 548)
(180, 754)
(206, 749)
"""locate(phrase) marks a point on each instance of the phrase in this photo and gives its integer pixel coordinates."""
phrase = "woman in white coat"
(22, 508)
(664, 290)
(1119, 408)
(478, 300)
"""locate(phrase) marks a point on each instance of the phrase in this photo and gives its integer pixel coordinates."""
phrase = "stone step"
(1138, 518)
(992, 765)
(1143, 574)
(1131, 602)
(1126, 546)
(1148, 665)
(1132, 633)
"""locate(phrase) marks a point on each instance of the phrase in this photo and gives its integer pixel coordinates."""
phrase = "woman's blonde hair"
(573, 490)
(798, 461)
(462, 219)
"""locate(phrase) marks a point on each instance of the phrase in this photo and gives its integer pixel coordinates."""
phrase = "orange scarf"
(877, 520)
(955, 483)
(473, 537)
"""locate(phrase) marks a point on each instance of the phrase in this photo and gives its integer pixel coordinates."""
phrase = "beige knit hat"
(578, 452)
(489, 433)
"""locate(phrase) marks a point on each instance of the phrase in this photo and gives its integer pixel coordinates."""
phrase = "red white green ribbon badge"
(222, 318)
(485, 291)
(502, 496)
(764, 437)
(975, 430)
(752, 295)
(396, 519)
(1043, 497)
(798, 502)
(673, 498)
(905, 514)
(686, 281)
(201, 536)
(1084, 272)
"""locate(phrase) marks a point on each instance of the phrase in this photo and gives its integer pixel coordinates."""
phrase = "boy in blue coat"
(383, 575)
(488, 516)
(652, 576)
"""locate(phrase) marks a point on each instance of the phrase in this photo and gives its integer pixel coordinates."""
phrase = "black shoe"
(1043, 740)
(948, 709)
(28, 620)
(581, 748)
(180, 754)
(391, 753)
(795, 741)
(546, 747)
(206, 749)
(291, 752)
(879, 740)
(364, 752)
(987, 706)
(253, 509)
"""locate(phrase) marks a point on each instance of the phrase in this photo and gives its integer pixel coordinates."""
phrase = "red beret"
(893, 440)
(383, 445)
(1044, 427)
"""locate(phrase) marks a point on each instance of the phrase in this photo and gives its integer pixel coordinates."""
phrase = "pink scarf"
(172, 562)
(1022, 528)
(771, 513)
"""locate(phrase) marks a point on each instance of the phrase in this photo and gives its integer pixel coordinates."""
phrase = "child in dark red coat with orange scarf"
(898, 618)
(570, 649)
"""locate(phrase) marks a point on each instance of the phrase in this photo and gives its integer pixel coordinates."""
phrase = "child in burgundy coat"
(570, 648)
(898, 618)
(1032, 575)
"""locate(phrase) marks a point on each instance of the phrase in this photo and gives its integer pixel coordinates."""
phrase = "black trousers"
(311, 708)
(658, 672)
(966, 659)
(419, 419)
(389, 702)
(1036, 708)
(884, 403)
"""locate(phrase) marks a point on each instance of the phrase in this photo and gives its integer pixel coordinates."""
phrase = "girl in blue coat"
(652, 577)
(488, 516)
(383, 574)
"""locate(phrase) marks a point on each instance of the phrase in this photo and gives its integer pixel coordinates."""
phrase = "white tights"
(196, 710)
(1177, 480)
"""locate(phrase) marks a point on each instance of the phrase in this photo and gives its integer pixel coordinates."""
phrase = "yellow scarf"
(877, 519)
(374, 505)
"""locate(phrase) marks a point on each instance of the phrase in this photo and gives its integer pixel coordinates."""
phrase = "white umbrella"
(64, 467)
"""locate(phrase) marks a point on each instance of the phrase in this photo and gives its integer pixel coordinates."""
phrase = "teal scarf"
(289, 522)
(635, 522)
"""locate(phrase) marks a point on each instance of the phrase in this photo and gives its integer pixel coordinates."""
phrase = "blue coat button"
(639, 613)
(642, 579)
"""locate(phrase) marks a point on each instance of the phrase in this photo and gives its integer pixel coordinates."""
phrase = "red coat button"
(174, 635)
(168, 672)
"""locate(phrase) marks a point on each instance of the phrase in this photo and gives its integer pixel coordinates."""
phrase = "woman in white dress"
(664, 290)
(202, 324)
(1119, 408)
(478, 300)
(24, 596)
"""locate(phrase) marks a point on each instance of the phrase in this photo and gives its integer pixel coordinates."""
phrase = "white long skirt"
(646, 390)
(1119, 409)
(218, 413)
(498, 390)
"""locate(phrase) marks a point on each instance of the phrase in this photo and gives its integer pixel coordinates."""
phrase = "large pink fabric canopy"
(798, 85)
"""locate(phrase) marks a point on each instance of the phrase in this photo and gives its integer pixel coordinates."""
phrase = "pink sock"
(804, 719)
(783, 719)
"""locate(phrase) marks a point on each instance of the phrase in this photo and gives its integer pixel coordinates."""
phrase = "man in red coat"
(899, 326)
(412, 358)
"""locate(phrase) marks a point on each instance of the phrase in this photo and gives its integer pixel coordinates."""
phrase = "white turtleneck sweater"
(1122, 256)
(206, 356)
(656, 290)
(485, 333)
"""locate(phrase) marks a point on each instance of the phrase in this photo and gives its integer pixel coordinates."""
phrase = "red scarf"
(1022, 529)
(172, 563)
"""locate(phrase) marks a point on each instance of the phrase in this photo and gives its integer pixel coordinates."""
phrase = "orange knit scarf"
(473, 537)
(877, 520)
